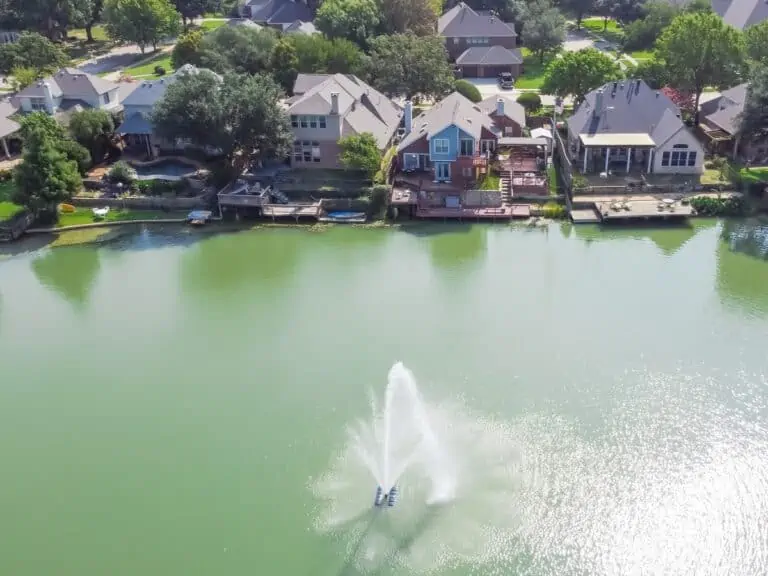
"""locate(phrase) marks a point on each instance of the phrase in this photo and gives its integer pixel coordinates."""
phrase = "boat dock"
(628, 210)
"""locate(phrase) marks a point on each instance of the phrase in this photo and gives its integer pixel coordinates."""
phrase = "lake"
(179, 402)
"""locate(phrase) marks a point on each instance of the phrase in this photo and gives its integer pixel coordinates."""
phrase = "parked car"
(506, 80)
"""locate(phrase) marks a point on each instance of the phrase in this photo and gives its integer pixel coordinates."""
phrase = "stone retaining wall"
(141, 203)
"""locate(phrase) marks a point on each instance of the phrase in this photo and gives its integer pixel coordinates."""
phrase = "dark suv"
(506, 80)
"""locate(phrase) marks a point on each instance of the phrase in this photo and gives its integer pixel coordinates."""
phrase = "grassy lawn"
(99, 34)
(613, 33)
(533, 74)
(489, 182)
(753, 175)
(552, 179)
(210, 25)
(7, 208)
(642, 54)
(712, 176)
(147, 69)
(79, 49)
(85, 216)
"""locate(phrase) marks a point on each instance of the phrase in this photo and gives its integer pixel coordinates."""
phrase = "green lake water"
(178, 403)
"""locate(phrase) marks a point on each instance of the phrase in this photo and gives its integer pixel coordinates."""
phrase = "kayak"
(66, 208)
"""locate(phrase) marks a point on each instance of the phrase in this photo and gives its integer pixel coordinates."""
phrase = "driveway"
(116, 59)
(489, 87)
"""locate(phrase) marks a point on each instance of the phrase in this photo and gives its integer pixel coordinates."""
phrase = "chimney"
(615, 85)
(335, 103)
(637, 86)
(48, 97)
(408, 116)
(500, 107)
(598, 102)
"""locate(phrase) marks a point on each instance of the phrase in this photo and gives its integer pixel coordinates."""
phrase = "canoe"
(68, 208)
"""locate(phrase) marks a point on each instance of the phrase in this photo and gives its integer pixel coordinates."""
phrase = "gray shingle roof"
(244, 22)
(489, 56)
(729, 105)
(362, 108)
(301, 27)
(741, 14)
(454, 109)
(512, 108)
(8, 127)
(289, 12)
(150, 91)
(69, 83)
(634, 108)
(462, 21)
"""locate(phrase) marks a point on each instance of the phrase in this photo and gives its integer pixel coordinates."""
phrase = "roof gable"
(462, 21)
(742, 14)
(69, 83)
(512, 108)
(489, 56)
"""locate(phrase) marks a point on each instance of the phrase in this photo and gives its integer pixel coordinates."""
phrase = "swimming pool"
(170, 169)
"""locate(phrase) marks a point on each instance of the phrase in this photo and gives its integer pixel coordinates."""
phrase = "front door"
(442, 171)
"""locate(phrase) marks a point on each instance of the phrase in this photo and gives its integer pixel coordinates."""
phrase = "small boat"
(66, 208)
(100, 212)
(199, 217)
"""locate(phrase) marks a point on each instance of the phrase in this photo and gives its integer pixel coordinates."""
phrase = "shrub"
(553, 210)
(578, 182)
(468, 90)
(531, 101)
(731, 206)
(378, 198)
(122, 172)
(74, 151)
(159, 71)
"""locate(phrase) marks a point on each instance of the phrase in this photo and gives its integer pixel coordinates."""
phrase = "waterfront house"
(507, 114)
(719, 122)
(328, 107)
(627, 126)
(136, 129)
(69, 89)
(482, 45)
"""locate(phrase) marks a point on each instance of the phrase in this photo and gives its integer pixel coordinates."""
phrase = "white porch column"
(607, 158)
(650, 160)
(584, 169)
(5, 148)
(629, 158)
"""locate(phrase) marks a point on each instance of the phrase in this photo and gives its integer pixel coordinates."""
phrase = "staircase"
(279, 196)
(506, 187)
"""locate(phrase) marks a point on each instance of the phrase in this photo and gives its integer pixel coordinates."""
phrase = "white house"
(627, 126)
(69, 88)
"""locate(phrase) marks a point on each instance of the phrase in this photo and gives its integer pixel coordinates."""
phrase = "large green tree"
(51, 17)
(576, 73)
(360, 152)
(93, 129)
(544, 27)
(285, 64)
(756, 38)
(653, 72)
(400, 16)
(405, 64)
(238, 49)
(240, 115)
(46, 176)
(191, 9)
(188, 49)
(355, 20)
(701, 50)
(657, 15)
(143, 22)
(579, 8)
(753, 121)
(318, 54)
(32, 51)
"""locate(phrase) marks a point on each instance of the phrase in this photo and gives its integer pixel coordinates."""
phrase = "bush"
(553, 211)
(122, 172)
(74, 151)
(531, 101)
(6, 175)
(468, 90)
(159, 71)
(378, 198)
(731, 206)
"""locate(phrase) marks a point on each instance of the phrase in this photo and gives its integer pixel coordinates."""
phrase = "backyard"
(533, 71)
(86, 216)
(7, 208)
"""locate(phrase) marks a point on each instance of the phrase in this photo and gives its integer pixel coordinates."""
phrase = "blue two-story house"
(451, 141)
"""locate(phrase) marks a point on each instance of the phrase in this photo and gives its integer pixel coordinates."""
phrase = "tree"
(46, 177)
(32, 51)
(240, 115)
(355, 20)
(144, 22)
(238, 49)
(579, 8)
(51, 17)
(468, 90)
(531, 101)
(92, 17)
(23, 77)
(642, 33)
(544, 27)
(409, 65)
(577, 73)
(756, 38)
(190, 9)
(41, 122)
(417, 16)
(700, 50)
(360, 152)
(77, 154)
(653, 72)
(704, 6)
(187, 49)
(753, 122)
(681, 99)
(624, 11)
(93, 129)
(285, 65)
(318, 54)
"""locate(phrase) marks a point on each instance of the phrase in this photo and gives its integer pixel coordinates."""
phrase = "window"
(680, 146)
(486, 146)
(295, 121)
(37, 104)
(455, 40)
(691, 158)
(313, 121)
(467, 147)
(303, 121)
(665, 159)
(466, 172)
(441, 146)
(306, 151)
(676, 158)
(297, 151)
(315, 151)
(321, 121)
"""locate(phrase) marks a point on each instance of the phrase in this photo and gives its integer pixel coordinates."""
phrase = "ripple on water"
(669, 486)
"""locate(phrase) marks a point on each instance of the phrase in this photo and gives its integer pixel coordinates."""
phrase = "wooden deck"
(293, 210)
(644, 210)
